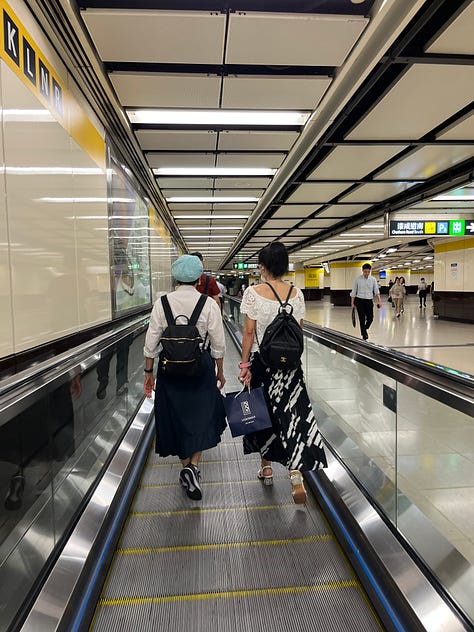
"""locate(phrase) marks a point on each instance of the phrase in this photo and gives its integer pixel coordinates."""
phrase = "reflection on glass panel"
(349, 406)
(435, 469)
(52, 451)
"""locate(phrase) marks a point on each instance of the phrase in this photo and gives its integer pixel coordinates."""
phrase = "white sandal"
(267, 479)
(298, 491)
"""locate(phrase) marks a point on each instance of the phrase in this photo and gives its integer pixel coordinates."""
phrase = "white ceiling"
(390, 126)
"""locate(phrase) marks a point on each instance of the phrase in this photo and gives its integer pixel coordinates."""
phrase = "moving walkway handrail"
(64, 362)
(446, 385)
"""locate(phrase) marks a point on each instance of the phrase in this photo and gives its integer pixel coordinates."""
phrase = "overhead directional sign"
(432, 228)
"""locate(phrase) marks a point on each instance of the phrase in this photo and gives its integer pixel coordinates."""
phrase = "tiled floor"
(427, 448)
(416, 332)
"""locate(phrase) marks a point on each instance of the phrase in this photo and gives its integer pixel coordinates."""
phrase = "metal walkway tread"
(245, 558)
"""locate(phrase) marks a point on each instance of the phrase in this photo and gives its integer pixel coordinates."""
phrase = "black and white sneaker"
(190, 480)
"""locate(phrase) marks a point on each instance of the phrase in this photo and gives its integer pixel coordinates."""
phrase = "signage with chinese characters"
(431, 228)
(245, 266)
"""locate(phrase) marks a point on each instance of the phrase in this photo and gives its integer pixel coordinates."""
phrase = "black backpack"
(282, 342)
(181, 344)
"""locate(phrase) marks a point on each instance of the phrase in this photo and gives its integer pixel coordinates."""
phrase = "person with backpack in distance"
(189, 410)
(272, 345)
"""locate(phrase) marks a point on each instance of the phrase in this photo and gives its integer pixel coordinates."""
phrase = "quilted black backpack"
(282, 342)
(181, 344)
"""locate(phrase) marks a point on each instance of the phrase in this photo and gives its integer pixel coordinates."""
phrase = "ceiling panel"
(203, 206)
(151, 139)
(317, 192)
(185, 183)
(439, 91)
(373, 192)
(353, 162)
(209, 192)
(320, 223)
(268, 233)
(157, 159)
(342, 210)
(256, 140)
(289, 39)
(280, 223)
(166, 91)
(461, 131)
(272, 161)
(291, 93)
(147, 36)
(241, 183)
(428, 161)
(458, 37)
(296, 210)
(302, 233)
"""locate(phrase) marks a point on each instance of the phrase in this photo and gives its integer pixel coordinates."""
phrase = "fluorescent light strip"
(214, 171)
(211, 216)
(453, 198)
(212, 200)
(87, 200)
(361, 235)
(206, 228)
(250, 118)
(54, 171)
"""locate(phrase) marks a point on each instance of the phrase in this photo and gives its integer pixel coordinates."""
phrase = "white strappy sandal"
(297, 488)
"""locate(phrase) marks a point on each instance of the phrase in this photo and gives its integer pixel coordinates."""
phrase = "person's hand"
(379, 303)
(245, 376)
(149, 384)
(220, 379)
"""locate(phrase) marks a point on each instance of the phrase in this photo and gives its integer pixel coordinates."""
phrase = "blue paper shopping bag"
(247, 411)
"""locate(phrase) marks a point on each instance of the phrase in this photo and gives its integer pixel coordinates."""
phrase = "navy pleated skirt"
(189, 412)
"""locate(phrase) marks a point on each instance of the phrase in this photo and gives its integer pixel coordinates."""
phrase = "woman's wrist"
(244, 365)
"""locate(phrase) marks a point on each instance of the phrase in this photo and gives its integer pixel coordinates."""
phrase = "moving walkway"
(104, 536)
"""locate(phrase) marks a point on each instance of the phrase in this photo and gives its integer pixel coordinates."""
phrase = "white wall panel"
(43, 258)
(6, 327)
(91, 241)
(469, 267)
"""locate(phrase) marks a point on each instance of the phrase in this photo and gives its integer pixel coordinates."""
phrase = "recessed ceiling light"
(454, 198)
(206, 228)
(212, 200)
(218, 117)
(210, 216)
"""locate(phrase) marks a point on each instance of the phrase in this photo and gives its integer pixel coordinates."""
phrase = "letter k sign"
(10, 38)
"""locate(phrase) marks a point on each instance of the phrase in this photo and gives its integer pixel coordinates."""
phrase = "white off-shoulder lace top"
(263, 310)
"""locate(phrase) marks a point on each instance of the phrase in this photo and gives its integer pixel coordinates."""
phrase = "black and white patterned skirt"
(294, 439)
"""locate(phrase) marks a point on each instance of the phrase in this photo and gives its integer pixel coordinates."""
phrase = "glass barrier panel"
(348, 399)
(51, 453)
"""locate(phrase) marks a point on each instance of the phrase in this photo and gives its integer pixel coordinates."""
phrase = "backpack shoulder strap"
(197, 310)
(167, 309)
(206, 285)
(278, 298)
(273, 290)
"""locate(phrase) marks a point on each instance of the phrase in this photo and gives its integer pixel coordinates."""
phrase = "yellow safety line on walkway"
(251, 480)
(284, 590)
(223, 460)
(225, 545)
(199, 510)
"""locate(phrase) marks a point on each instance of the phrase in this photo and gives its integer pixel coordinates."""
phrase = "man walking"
(363, 291)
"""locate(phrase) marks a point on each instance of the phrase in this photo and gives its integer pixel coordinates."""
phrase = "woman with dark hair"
(294, 439)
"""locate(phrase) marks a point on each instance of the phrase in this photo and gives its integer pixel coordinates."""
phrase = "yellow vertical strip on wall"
(20, 52)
